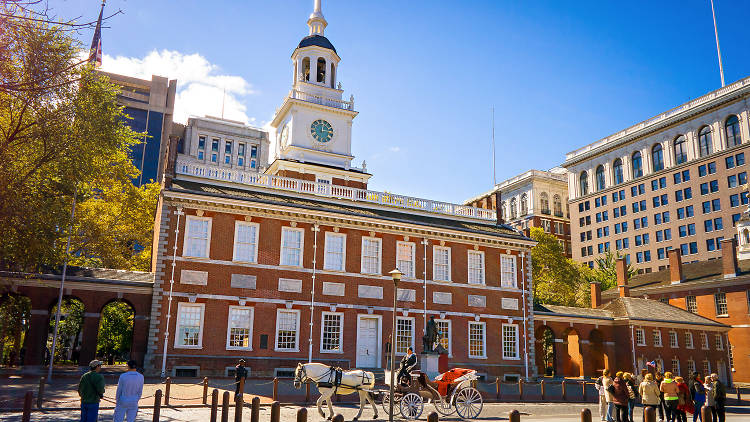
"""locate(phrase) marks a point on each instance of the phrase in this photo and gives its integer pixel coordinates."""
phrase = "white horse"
(324, 377)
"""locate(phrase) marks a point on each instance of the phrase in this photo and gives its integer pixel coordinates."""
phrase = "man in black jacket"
(240, 374)
(408, 362)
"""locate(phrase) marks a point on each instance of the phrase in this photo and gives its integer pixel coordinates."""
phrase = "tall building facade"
(150, 107)
(293, 263)
(533, 199)
(669, 182)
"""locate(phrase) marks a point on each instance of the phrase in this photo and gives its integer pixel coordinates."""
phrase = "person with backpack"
(649, 393)
(632, 394)
(620, 396)
(698, 393)
(91, 391)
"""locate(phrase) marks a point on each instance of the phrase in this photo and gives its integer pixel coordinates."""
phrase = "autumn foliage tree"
(558, 280)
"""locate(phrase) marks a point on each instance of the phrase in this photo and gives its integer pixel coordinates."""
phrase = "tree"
(15, 314)
(606, 271)
(558, 280)
(71, 324)
(115, 331)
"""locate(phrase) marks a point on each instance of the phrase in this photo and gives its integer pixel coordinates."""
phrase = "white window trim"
(434, 262)
(413, 330)
(690, 345)
(450, 335)
(643, 337)
(186, 236)
(705, 345)
(229, 328)
(301, 246)
(180, 305)
(413, 247)
(237, 225)
(719, 341)
(276, 331)
(380, 255)
(468, 268)
(341, 332)
(661, 339)
(515, 273)
(484, 340)
(673, 334)
(343, 252)
(518, 342)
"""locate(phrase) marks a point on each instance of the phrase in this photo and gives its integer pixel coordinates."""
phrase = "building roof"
(316, 40)
(86, 274)
(341, 207)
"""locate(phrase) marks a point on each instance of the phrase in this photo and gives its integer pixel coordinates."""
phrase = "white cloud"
(394, 149)
(201, 87)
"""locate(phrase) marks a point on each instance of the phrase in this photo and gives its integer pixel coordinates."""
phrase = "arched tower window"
(746, 236)
(524, 205)
(544, 200)
(557, 205)
(657, 157)
(680, 150)
(704, 141)
(584, 182)
(617, 171)
(306, 69)
(321, 70)
(513, 209)
(637, 164)
(732, 129)
(333, 75)
(600, 184)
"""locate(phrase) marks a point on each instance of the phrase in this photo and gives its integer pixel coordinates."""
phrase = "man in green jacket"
(91, 390)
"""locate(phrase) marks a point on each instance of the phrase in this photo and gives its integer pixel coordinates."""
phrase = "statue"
(430, 337)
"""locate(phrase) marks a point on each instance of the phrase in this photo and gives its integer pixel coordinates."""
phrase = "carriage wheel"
(443, 406)
(411, 406)
(386, 402)
(468, 403)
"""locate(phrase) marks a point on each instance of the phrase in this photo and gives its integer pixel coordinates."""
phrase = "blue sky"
(425, 74)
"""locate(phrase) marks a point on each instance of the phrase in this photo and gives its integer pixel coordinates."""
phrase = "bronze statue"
(430, 337)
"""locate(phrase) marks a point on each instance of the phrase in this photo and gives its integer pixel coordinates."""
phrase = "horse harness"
(334, 375)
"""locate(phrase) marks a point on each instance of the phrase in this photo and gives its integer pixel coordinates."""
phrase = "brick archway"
(545, 351)
(570, 354)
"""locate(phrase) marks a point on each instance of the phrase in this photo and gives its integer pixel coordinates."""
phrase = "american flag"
(95, 53)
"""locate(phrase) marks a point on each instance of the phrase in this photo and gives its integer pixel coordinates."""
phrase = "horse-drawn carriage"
(452, 391)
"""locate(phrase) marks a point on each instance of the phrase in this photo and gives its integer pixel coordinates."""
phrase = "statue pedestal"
(429, 364)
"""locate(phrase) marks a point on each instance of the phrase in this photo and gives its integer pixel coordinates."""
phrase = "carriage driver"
(408, 362)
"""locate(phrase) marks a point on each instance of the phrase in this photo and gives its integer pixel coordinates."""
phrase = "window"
(637, 165)
(245, 241)
(640, 337)
(197, 237)
(476, 267)
(719, 341)
(331, 332)
(291, 246)
(524, 204)
(732, 181)
(720, 300)
(675, 366)
(691, 366)
(680, 150)
(477, 340)
(657, 338)
(657, 157)
(241, 154)
(557, 205)
(691, 304)
(189, 325)
(617, 171)
(732, 130)
(689, 340)
(215, 150)
(544, 201)
(510, 341)
(513, 209)
(240, 328)
(584, 183)
(441, 264)
(600, 184)
(287, 330)
(201, 147)
(706, 366)
(673, 339)
(704, 341)
(371, 255)
(227, 152)
(404, 334)
(704, 141)
(508, 271)
(405, 258)
(729, 162)
(444, 329)
(335, 252)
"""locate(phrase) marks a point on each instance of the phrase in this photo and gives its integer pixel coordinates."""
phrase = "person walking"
(649, 393)
(240, 374)
(620, 397)
(659, 378)
(684, 401)
(710, 397)
(602, 397)
(91, 391)
(719, 392)
(671, 398)
(607, 384)
(129, 391)
(642, 376)
(632, 394)
(698, 394)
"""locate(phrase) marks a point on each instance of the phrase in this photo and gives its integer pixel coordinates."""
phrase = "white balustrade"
(319, 99)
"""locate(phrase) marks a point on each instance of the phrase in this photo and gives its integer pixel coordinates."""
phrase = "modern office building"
(670, 182)
(150, 106)
(533, 199)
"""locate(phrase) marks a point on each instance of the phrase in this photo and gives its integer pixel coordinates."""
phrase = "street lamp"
(396, 275)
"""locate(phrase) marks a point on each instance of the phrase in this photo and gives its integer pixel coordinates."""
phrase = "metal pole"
(494, 172)
(169, 302)
(62, 287)
(523, 303)
(632, 348)
(393, 348)
(425, 242)
(718, 49)
(315, 230)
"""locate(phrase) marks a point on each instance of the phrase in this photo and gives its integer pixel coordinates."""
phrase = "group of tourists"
(129, 390)
(667, 394)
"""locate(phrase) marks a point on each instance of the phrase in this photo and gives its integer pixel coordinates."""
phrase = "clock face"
(285, 135)
(321, 131)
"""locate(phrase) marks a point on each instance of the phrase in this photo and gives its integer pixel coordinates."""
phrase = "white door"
(722, 371)
(367, 343)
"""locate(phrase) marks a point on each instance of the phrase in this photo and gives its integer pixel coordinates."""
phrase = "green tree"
(558, 280)
(605, 272)
(115, 331)
(71, 324)
(15, 314)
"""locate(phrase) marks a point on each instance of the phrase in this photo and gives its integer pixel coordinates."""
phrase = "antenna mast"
(718, 50)
(494, 172)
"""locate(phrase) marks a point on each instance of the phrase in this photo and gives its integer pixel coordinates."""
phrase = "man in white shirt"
(129, 390)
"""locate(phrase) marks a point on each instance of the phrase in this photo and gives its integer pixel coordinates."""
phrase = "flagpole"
(718, 49)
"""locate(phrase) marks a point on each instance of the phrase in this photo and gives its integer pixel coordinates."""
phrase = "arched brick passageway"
(596, 358)
(545, 351)
(15, 311)
(571, 362)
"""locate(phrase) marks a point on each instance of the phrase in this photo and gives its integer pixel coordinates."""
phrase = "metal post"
(255, 409)
(432, 417)
(649, 414)
(514, 416)
(497, 388)
(718, 49)
(225, 407)
(275, 411)
(393, 348)
(585, 415)
(214, 404)
(40, 396)
(169, 301)
(238, 405)
(242, 388)
(157, 405)
(275, 395)
(424, 242)
(338, 418)
(205, 390)
(166, 391)
(523, 303)
(520, 389)
(315, 230)
(28, 398)
(301, 414)
(564, 393)
(583, 390)
(541, 387)
(307, 392)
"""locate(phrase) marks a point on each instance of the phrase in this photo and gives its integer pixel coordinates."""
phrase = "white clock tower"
(313, 126)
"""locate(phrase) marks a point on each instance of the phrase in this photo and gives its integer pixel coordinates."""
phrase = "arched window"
(637, 164)
(321, 70)
(544, 200)
(746, 236)
(584, 182)
(704, 141)
(600, 184)
(503, 211)
(513, 209)
(557, 205)
(680, 150)
(524, 205)
(617, 171)
(657, 157)
(306, 69)
(732, 129)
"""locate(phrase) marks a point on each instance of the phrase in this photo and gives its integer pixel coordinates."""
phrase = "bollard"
(157, 405)
(564, 393)
(242, 387)
(214, 404)
(28, 399)
(739, 396)
(307, 392)
(301, 414)
(649, 414)
(338, 418)
(166, 391)
(585, 415)
(432, 417)
(275, 411)
(275, 395)
(225, 407)
(255, 410)
(514, 416)
(583, 390)
(239, 403)
(520, 389)
(706, 414)
(497, 388)
(541, 387)
(40, 396)
(205, 391)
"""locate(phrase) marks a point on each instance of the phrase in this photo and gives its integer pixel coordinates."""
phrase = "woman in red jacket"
(619, 390)
(685, 403)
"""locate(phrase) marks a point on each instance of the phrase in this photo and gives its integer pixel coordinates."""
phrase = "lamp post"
(396, 275)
